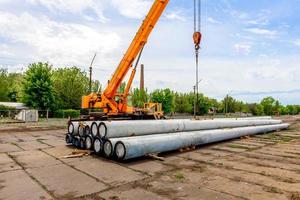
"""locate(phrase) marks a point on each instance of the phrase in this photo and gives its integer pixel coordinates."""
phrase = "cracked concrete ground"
(259, 167)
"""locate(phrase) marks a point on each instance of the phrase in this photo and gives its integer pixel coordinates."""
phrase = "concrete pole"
(73, 128)
(133, 147)
(116, 129)
(95, 128)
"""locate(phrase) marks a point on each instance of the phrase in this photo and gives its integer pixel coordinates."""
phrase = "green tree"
(228, 104)
(4, 85)
(203, 105)
(70, 84)
(166, 97)
(283, 110)
(15, 86)
(182, 103)
(292, 109)
(256, 109)
(38, 89)
(269, 105)
(139, 97)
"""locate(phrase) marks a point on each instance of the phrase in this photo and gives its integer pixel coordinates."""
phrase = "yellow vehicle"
(115, 105)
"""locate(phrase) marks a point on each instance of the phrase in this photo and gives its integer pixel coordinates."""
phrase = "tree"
(182, 103)
(70, 84)
(203, 104)
(10, 86)
(269, 105)
(283, 110)
(165, 97)
(139, 97)
(292, 109)
(228, 104)
(38, 89)
(256, 109)
(4, 85)
(15, 86)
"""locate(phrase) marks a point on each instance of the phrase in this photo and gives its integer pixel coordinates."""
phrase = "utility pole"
(91, 73)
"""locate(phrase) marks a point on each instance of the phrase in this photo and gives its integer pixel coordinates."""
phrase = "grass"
(237, 146)
(273, 190)
(275, 137)
(179, 176)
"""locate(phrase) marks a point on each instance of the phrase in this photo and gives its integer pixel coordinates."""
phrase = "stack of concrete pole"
(125, 140)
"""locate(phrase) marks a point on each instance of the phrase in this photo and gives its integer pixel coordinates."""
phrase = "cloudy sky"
(250, 49)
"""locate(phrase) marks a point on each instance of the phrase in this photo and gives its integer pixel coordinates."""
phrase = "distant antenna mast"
(91, 72)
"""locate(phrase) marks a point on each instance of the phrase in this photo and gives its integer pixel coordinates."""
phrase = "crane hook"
(197, 39)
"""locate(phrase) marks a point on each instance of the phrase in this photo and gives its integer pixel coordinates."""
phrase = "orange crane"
(115, 105)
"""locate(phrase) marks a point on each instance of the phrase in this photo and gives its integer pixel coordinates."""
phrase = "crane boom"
(106, 100)
(135, 47)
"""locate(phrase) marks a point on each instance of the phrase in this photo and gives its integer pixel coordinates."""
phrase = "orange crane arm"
(135, 47)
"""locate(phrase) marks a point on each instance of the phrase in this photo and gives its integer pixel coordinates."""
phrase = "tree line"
(45, 88)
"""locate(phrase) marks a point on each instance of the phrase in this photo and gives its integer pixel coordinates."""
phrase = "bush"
(2, 107)
(67, 113)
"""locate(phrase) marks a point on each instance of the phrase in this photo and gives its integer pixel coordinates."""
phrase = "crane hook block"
(197, 39)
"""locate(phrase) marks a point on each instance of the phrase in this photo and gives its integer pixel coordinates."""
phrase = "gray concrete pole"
(133, 147)
(116, 129)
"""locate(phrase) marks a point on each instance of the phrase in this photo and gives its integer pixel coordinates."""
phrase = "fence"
(43, 114)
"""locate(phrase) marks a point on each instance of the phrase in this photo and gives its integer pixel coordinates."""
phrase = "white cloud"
(73, 6)
(175, 15)
(244, 48)
(5, 50)
(263, 32)
(258, 22)
(297, 42)
(136, 9)
(212, 20)
(56, 42)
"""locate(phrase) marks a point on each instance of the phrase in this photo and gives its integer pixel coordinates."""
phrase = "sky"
(250, 49)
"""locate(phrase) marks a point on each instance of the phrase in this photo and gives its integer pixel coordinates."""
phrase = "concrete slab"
(212, 152)
(286, 175)
(197, 156)
(15, 185)
(150, 167)
(236, 188)
(25, 137)
(63, 150)
(132, 194)
(47, 137)
(257, 179)
(7, 164)
(57, 142)
(228, 149)
(179, 161)
(108, 171)
(182, 189)
(9, 147)
(34, 158)
(66, 182)
(8, 139)
(30, 145)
